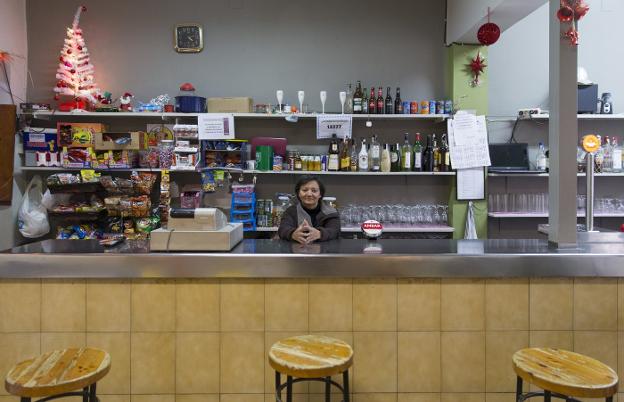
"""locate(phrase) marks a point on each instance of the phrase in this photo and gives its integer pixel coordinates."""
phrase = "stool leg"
(278, 382)
(518, 388)
(345, 385)
(85, 394)
(327, 389)
(609, 399)
(92, 393)
(24, 399)
(289, 389)
(546, 396)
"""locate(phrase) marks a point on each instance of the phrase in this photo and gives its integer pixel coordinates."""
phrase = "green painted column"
(467, 97)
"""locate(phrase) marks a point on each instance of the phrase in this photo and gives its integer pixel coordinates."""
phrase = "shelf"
(62, 169)
(388, 229)
(503, 215)
(544, 116)
(298, 172)
(546, 174)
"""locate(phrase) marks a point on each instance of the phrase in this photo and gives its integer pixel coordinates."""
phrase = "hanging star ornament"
(477, 67)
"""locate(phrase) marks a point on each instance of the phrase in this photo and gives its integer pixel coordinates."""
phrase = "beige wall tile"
(552, 339)
(551, 302)
(197, 305)
(620, 304)
(17, 347)
(112, 398)
(507, 304)
(242, 362)
(419, 397)
(595, 304)
(153, 305)
(375, 305)
(331, 303)
(108, 306)
(419, 362)
(20, 305)
(197, 362)
(599, 345)
(459, 397)
(286, 304)
(269, 373)
(620, 365)
(117, 344)
(63, 305)
(463, 362)
(499, 349)
(152, 363)
(198, 398)
(419, 304)
(62, 340)
(242, 398)
(319, 388)
(153, 398)
(242, 305)
(375, 362)
(463, 305)
(375, 397)
(500, 397)
(295, 398)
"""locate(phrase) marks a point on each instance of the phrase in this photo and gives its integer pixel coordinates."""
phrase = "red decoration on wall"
(489, 32)
(571, 11)
(477, 67)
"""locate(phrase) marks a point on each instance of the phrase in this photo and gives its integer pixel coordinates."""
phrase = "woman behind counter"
(310, 219)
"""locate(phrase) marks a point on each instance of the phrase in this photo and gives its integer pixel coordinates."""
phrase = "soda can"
(432, 107)
(440, 107)
(414, 107)
(406, 107)
(424, 107)
(448, 107)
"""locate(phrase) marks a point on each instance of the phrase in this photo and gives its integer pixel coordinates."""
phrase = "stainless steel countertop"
(391, 258)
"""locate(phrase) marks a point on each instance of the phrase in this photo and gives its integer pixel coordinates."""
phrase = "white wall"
(12, 40)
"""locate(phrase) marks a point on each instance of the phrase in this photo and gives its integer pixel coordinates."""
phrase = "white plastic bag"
(471, 228)
(32, 218)
(50, 200)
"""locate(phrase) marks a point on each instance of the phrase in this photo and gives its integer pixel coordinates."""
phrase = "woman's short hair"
(305, 179)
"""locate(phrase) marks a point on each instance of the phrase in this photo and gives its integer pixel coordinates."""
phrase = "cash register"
(197, 229)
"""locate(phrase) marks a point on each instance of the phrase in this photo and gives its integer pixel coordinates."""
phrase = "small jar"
(317, 163)
(290, 160)
(298, 162)
(165, 154)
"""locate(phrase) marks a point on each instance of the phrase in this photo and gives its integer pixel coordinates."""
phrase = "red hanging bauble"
(565, 13)
(489, 32)
(56, 97)
(580, 9)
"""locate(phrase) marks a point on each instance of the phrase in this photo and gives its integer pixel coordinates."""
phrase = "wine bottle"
(357, 99)
(354, 156)
(381, 105)
(417, 154)
(375, 155)
(428, 157)
(445, 155)
(385, 158)
(389, 104)
(437, 157)
(395, 158)
(345, 156)
(406, 155)
(365, 102)
(398, 103)
(333, 162)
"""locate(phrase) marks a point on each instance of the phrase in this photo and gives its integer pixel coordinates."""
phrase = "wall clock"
(188, 38)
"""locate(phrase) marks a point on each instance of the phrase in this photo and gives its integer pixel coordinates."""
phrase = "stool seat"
(58, 372)
(566, 373)
(310, 356)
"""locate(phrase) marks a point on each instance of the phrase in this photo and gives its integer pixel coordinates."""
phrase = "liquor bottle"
(381, 105)
(345, 156)
(395, 158)
(445, 154)
(365, 102)
(385, 158)
(616, 155)
(417, 154)
(540, 163)
(599, 158)
(357, 99)
(374, 161)
(437, 157)
(608, 156)
(389, 104)
(354, 157)
(398, 103)
(363, 157)
(372, 102)
(406, 155)
(349, 101)
(428, 157)
(333, 162)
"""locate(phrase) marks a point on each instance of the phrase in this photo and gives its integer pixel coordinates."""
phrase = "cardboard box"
(78, 135)
(40, 139)
(230, 105)
(106, 141)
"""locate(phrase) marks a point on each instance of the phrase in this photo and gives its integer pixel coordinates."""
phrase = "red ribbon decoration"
(571, 11)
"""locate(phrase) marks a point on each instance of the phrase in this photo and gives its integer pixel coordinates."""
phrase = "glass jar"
(317, 163)
(165, 154)
(290, 160)
(298, 162)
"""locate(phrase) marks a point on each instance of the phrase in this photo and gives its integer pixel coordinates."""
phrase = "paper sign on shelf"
(473, 153)
(329, 124)
(470, 184)
(213, 126)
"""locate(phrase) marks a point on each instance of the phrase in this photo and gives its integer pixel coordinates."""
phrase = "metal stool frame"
(88, 395)
(520, 397)
(279, 387)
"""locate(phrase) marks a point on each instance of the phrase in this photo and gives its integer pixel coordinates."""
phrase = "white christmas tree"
(75, 71)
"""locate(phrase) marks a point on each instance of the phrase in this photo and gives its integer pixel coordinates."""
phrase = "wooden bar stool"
(311, 358)
(59, 374)
(563, 374)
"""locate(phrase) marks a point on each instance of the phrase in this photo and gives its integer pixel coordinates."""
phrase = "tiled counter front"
(414, 340)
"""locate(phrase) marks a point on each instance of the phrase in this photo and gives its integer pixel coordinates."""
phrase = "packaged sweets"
(208, 182)
(143, 182)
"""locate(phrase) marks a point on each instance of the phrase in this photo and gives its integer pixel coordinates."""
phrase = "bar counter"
(600, 256)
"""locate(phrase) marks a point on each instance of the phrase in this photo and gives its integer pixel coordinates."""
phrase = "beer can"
(406, 107)
(440, 107)
(432, 107)
(448, 107)
(424, 107)
(414, 107)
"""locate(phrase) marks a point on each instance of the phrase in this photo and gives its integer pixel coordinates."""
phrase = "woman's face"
(310, 194)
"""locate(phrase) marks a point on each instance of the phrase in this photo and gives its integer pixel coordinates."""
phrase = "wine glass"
(280, 99)
(343, 98)
(323, 99)
(301, 96)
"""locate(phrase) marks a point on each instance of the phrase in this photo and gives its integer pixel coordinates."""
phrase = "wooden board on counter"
(7, 146)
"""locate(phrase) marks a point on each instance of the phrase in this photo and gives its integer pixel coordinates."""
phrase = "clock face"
(188, 38)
